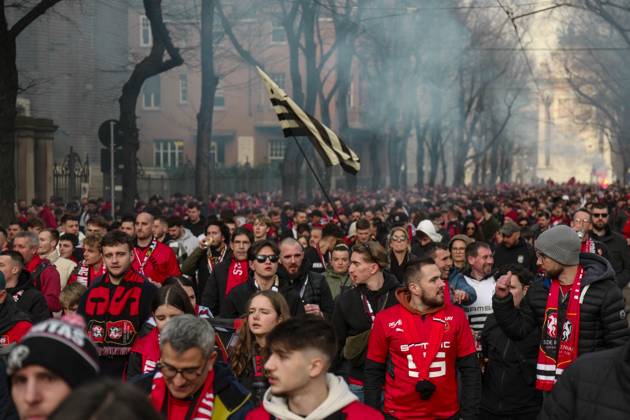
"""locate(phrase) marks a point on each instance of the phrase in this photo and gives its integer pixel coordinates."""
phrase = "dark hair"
(543, 213)
(16, 222)
(303, 332)
(71, 237)
(54, 234)
(303, 227)
(117, 237)
(524, 275)
(331, 229)
(413, 267)
(225, 231)
(161, 219)
(243, 231)
(175, 221)
(67, 217)
(363, 224)
(172, 295)
(16, 257)
(431, 249)
(472, 249)
(601, 206)
(180, 281)
(98, 221)
(106, 399)
(36, 222)
(128, 218)
(258, 245)
(193, 205)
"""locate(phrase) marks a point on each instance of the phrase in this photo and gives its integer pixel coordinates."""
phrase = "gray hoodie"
(339, 396)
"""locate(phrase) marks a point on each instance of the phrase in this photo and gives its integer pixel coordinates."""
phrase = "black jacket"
(197, 265)
(235, 304)
(521, 253)
(596, 386)
(28, 299)
(602, 317)
(618, 254)
(350, 318)
(213, 295)
(510, 376)
(311, 287)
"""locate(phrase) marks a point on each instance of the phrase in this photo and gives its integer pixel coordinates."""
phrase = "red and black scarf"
(114, 313)
(559, 343)
(87, 274)
(200, 406)
(148, 347)
(237, 275)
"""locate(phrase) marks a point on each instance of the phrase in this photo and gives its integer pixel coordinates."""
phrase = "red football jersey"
(388, 337)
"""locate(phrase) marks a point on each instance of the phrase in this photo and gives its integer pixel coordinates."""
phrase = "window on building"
(151, 93)
(278, 34)
(146, 37)
(279, 78)
(168, 153)
(219, 100)
(276, 149)
(183, 88)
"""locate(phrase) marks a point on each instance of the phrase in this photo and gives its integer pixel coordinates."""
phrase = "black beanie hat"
(59, 346)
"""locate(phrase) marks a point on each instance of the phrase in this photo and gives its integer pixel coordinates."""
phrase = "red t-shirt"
(161, 264)
(388, 338)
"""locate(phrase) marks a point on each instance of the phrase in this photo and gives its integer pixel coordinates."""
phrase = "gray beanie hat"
(561, 244)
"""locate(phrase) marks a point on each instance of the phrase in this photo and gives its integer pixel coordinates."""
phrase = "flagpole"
(321, 185)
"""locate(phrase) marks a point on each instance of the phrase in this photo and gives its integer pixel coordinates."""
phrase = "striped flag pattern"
(296, 122)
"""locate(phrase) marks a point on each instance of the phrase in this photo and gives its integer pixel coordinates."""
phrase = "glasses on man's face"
(600, 215)
(262, 258)
(581, 221)
(169, 372)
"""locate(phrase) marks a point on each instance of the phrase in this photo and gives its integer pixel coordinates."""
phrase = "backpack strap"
(35, 275)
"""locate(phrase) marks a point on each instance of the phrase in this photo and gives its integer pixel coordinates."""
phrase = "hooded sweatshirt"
(340, 398)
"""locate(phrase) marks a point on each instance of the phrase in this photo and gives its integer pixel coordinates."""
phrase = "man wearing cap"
(426, 234)
(577, 307)
(49, 362)
(513, 249)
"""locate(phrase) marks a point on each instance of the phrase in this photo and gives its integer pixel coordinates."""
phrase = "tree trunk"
(209, 82)
(150, 66)
(8, 97)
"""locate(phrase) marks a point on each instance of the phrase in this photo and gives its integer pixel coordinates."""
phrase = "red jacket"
(353, 411)
(162, 263)
(47, 281)
(389, 339)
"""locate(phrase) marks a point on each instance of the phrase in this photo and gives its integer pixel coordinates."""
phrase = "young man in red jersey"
(427, 343)
(300, 386)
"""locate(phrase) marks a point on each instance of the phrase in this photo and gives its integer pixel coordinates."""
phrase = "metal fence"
(69, 175)
(226, 180)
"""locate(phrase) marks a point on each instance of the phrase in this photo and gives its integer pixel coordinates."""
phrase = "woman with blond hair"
(398, 245)
(265, 310)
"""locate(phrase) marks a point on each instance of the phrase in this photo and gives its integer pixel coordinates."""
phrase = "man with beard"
(577, 307)
(479, 276)
(618, 253)
(195, 222)
(581, 224)
(426, 343)
(213, 249)
(309, 285)
(187, 242)
(513, 249)
(151, 258)
(228, 273)
(117, 304)
(456, 289)
(20, 288)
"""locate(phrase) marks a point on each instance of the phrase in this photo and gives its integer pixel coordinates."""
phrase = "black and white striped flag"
(296, 122)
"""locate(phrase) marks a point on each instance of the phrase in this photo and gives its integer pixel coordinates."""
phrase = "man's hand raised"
(502, 287)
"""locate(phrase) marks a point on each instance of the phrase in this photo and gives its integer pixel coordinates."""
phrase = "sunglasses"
(399, 238)
(599, 215)
(262, 258)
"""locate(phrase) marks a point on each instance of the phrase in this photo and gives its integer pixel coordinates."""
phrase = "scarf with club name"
(559, 343)
(237, 274)
(201, 403)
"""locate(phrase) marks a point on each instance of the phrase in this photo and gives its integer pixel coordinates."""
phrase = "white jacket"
(339, 396)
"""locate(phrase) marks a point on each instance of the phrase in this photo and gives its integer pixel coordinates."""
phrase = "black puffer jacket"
(311, 287)
(596, 386)
(602, 317)
(510, 374)
(618, 254)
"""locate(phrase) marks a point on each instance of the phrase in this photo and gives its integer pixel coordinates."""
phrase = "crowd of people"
(436, 304)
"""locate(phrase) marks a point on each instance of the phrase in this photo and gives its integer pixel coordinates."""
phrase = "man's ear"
(3, 296)
(317, 366)
(525, 289)
(211, 360)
